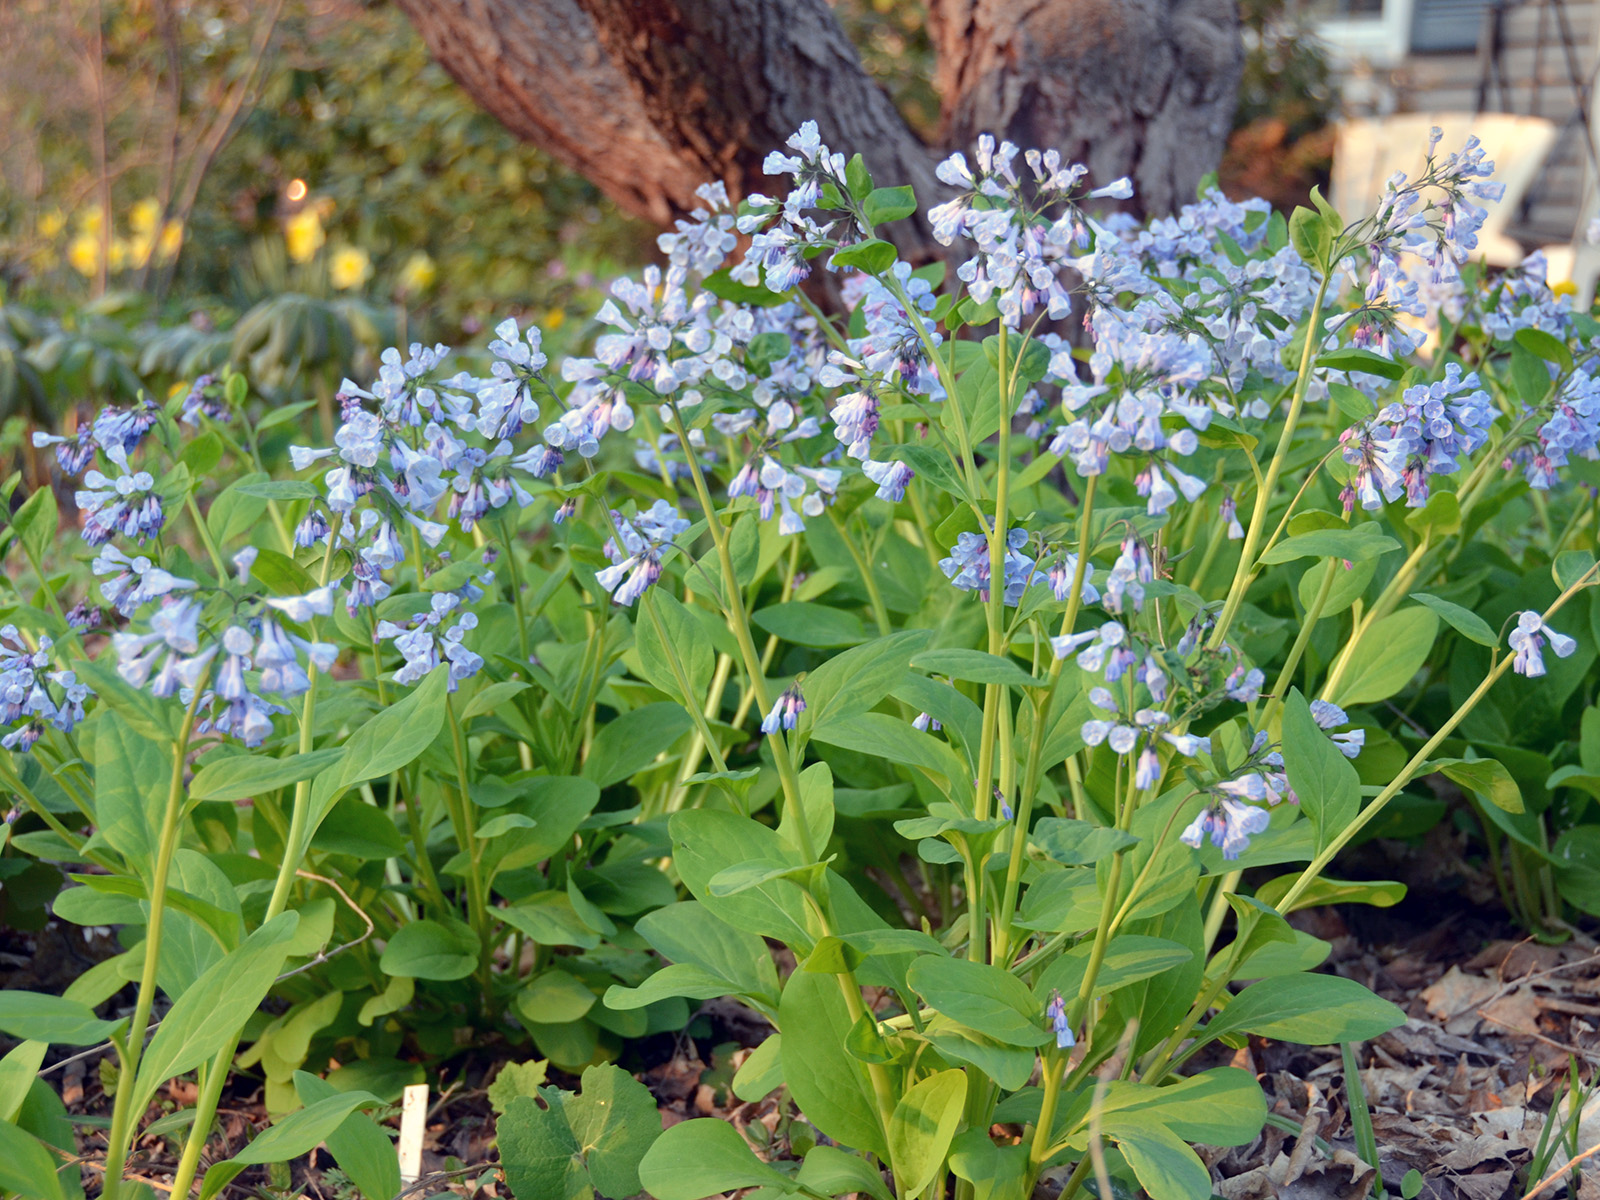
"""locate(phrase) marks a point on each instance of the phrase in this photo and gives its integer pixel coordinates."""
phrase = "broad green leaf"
(893, 738)
(1164, 1164)
(242, 775)
(1320, 774)
(1485, 777)
(922, 1126)
(538, 1150)
(132, 776)
(555, 997)
(1355, 543)
(830, 1087)
(1381, 893)
(362, 1150)
(872, 256)
(27, 1169)
(1078, 843)
(40, 1017)
(1129, 958)
(983, 997)
(675, 979)
(18, 1069)
(804, 624)
(816, 801)
(1355, 360)
(1390, 654)
(700, 1158)
(360, 830)
(1576, 860)
(1220, 1107)
(205, 1017)
(690, 933)
(1311, 1010)
(549, 919)
(517, 1079)
(1464, 621)
(630, 743)
(1571, 566)
(889, 204)
(397, 993)
(974, 666)
(995, 1172)
(1009, 1066)
(428, 949)
(614, 1122)
(705, 840)
(686, 638)
(853, 682)
(761, 1073)
(1348, 584)
(1546, 345)
(291, 1137)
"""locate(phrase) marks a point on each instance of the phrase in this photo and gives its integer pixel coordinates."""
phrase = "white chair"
(1369, 151)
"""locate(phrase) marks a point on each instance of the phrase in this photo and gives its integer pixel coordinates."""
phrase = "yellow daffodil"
(418, 273)
(145, 214)
(349, 267)
(84, 254)
(303, 236)
(171, 239)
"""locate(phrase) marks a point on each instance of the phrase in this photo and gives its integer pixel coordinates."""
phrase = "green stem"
(1381, 607)
(122, 1116)
(1258, 513)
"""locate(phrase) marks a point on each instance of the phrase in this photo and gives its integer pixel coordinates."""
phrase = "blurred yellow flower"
(1565, 288)
(555, 318)
(145, 214)
(302, 234)
(52, 223)
(138, 249)
(121, 252)
(90, 219)
(171, 239)
(419, 273)
(349, 267)
(84, 253)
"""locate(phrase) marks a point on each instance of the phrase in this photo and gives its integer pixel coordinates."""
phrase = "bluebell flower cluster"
(635, 551)
(968, 566)
(32, 695)
(1429, 431)
(785, 712)
(1528, 641)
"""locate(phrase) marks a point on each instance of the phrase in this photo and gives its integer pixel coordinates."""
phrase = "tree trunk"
(650, 98)
(1142, 88)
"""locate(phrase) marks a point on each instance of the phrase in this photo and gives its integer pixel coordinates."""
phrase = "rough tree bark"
(649, 98)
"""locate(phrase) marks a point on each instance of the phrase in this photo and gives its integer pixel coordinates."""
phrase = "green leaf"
(705, 840)
(1167, 1169)
(1129, 958)
(39, 1017)
(279, 489)
(207, 1015)
(690, 933)
(397, 993)
(429, 949)
(975, 666)
(830, 1171)
(704, 1157)
(1320, 774)
(995, 1172)
(1485, 777)
(1078, 843)
(242, 775)
(1365, 362)
(538, 1150)
(555, 997)
(17, 1072)
(830, 1087)
(890, 204)
(630, 743)
(392, 739)
(1439, 517)
(36, 521)
(132, 777)
(360, 830)
(1009, 1066)
(761, 1073)
(1571, 566)
(1354, 544)
(1381, 893)
(983, 997)
(688, 641)
(1220, 1107)
(26, 1167)
(1464, 621)
(517, 1079)
(1311, 1010)
(614, 1121)
(297, 1134)
(1388, 657)
(362, 1150)
(489, 699)
(855, 681)
(872, 256)
(922, 1126)
(1546, 345)
(857, 178)
(1310, 237)
(804, 624)
(676, 979)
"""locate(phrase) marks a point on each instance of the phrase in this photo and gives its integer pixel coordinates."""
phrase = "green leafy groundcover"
(1018, 690)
